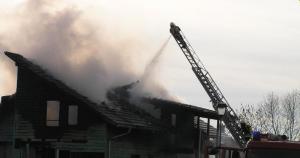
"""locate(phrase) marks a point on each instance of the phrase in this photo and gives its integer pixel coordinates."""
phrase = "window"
(52, 113)
(73, 115)
(173, 119)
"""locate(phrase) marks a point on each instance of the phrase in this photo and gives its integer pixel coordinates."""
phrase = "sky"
(250, 47)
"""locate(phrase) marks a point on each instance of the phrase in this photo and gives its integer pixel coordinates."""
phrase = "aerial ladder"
(230, 118)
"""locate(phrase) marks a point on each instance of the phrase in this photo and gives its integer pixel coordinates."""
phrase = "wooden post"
(207, 129)
(197, 149)
(201, 151)
(27, 150)
(207, 140)
(56, 153)
(220, 133)
(14, 150)
(217, 137)
(199, 137)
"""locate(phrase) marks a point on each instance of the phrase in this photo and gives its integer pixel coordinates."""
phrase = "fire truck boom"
(230, 118)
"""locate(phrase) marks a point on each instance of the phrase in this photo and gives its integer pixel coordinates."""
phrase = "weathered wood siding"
(6, 127)
(24, 129)
(184, 134)
(95, 137)
(5, 150)
(32, 94)
(92, 139)
(134, 145)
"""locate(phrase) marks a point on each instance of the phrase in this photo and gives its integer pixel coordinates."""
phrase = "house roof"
(120, 116)
(202, 112)
(118, 113)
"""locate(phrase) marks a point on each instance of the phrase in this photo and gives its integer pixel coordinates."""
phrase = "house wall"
(184, 132)
(93, 139)
(31, 98)
(144, 145)
(5, 150)
(92, 134)
(6, 127)
(6, 130)
(32, 95)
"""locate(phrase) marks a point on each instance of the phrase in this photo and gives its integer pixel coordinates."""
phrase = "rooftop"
(119, 114)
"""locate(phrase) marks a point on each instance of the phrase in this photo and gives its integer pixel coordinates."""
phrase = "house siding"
(31, 100)
(134, 145)
(24, 129)
(5, 150)
(30, 120)
(6, 135)
(95, 137)
(6, 127)
(184, 134)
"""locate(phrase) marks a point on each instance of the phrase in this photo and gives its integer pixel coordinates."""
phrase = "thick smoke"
(82, 54)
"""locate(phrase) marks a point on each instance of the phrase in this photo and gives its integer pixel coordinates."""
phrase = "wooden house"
(47, 119)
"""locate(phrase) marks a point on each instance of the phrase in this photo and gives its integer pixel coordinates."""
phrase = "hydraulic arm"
(230, 118)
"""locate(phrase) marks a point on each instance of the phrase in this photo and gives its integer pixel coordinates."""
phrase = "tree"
(291, 103)
(276, 115)
(254, 116)
(271, 112)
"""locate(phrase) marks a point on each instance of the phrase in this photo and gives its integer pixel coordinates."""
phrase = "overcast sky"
(250, 47)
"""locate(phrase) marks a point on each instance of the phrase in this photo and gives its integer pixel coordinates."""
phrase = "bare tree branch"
(275, 115)
(290, 108)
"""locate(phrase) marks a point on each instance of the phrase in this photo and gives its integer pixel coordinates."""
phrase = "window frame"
(77, 115)
(54, 110)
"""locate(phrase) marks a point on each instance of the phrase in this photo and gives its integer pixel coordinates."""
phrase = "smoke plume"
(86, 56)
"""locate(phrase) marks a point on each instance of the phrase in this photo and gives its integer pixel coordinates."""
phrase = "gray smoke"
(151, 67)
(148, 84)
(82, 54)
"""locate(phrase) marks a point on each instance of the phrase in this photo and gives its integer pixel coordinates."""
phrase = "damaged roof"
(118, 113)
(120, 116)
(196, 110)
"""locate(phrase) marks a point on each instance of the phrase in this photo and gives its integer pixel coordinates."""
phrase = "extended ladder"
(230, 118)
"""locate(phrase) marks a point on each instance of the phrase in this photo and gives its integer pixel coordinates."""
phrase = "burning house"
(47, 119)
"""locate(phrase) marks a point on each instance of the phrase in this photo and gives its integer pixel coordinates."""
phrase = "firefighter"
(246, 129)
(175, 31)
